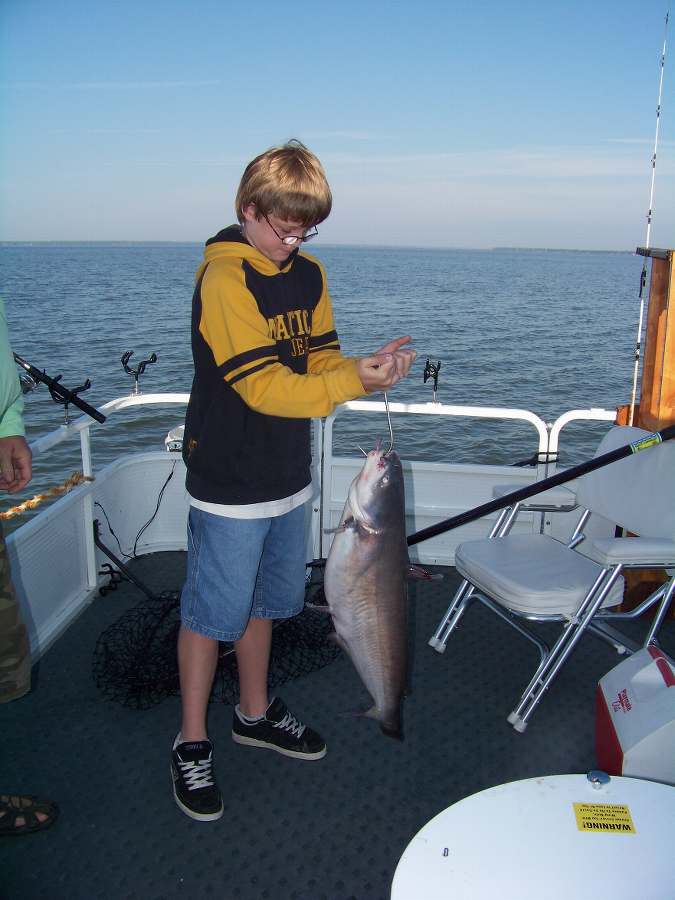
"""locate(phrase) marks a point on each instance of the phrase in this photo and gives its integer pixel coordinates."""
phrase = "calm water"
(542, 330)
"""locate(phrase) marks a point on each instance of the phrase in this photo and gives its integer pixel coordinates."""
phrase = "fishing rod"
(643, 274)
(598, 462)
(57, 390)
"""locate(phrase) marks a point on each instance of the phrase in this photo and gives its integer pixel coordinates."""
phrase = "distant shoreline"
(331, 246)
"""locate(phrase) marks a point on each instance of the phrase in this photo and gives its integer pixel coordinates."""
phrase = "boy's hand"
(387, 366)
(404, 358)
(15, 463)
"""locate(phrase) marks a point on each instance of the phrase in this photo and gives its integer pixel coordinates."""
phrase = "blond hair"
(288, 182)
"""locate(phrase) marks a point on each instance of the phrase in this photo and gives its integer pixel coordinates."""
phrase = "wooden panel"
(657, 394)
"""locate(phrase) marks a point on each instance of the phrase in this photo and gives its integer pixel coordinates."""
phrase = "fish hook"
(391, 430)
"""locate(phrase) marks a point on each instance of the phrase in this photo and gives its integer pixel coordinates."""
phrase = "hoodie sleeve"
(11, 398)
(248, 360)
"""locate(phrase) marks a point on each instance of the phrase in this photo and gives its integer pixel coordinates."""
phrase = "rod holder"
(59, 398)
(140, 368)
(431, 371)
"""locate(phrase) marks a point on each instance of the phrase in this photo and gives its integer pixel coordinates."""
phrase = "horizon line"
(496, 248)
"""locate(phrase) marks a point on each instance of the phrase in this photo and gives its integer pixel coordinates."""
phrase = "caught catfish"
(365, 584)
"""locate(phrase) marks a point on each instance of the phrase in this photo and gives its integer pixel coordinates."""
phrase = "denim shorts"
(241, 569)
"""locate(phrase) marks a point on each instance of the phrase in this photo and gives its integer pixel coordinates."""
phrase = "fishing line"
(643, 275)
(391, 430)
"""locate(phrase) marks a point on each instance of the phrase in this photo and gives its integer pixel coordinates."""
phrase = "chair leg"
(514, 623)
(452, 616)
(661, 612)
(615, 638)
(465, 591)
(562, 648)
(516, 717)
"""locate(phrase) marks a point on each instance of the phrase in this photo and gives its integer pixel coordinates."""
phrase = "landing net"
(135, 658)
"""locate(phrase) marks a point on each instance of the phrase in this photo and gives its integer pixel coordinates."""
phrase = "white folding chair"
(539, 578)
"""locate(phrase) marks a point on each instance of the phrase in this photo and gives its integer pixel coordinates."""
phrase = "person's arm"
(248, 358)
(15, 455)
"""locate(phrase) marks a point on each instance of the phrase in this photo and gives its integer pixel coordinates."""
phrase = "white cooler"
(635, 718)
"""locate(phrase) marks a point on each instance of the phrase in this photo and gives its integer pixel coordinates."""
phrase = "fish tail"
(393, 729)
(390, 724)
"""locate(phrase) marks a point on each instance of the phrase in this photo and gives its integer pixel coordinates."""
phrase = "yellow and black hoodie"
(267, 359)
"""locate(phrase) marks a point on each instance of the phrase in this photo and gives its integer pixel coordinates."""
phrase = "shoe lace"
(290, 723)
(197, 774)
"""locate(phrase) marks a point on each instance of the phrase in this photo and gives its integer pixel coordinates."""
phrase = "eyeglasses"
(291, 239)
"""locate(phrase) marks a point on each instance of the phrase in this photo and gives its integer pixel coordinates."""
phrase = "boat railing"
(82, 425)
(548, 434)
(337, 472)
(576, 415)
(130, 488)
(326, 460)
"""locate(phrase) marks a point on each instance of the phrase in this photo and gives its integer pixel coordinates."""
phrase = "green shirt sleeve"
(11, 398)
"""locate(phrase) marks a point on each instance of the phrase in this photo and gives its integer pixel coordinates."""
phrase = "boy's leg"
(279, 594)
(221, 570)
(253, 656)
(197, 661)
(222, 563)
(194, 786)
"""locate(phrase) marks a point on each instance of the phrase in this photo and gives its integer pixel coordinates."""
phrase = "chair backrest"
(637, 492)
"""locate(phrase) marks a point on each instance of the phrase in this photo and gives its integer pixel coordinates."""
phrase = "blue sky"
(439, 123)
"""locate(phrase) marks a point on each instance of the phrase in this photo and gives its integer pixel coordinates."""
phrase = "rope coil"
(75, 479)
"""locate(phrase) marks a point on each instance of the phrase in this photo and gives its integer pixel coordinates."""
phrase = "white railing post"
(88, 511)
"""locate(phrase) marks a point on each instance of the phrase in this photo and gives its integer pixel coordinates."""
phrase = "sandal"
(14, 807)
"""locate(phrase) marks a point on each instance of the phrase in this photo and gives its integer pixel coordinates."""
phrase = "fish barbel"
(365, 584)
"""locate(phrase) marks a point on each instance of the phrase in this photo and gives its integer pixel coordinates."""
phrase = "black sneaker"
(279, 730)
(194, 787)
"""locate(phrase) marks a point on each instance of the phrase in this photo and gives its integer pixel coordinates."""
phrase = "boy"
(267, 359)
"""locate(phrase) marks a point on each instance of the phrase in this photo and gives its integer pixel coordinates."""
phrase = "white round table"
(559, 837)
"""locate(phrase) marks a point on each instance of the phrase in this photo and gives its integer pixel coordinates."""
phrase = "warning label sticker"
(650, 441)
(606, 817)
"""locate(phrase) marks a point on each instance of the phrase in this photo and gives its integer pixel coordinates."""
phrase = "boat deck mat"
(292, 830)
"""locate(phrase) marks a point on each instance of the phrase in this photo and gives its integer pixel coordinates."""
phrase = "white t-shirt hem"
(265, 510)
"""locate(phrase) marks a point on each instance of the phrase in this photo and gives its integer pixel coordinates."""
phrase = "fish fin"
(392, 730)
(419, 573)
(349, 522)
(391, 727)
(357, 713)
(391, 724)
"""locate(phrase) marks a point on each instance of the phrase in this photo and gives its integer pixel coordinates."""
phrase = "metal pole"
(643, 275)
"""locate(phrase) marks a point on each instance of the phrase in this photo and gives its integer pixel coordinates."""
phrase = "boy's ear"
(250, 212)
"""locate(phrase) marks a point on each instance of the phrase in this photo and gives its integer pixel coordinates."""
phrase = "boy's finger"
(393, 346)
(404, 360)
